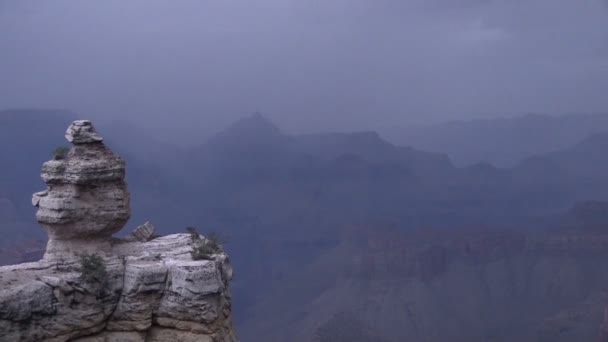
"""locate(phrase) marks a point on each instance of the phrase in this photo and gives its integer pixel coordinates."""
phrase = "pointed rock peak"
(251, 129)
(82, 132)
(255, 123)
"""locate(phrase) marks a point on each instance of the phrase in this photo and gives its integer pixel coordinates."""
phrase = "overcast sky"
(193, 66)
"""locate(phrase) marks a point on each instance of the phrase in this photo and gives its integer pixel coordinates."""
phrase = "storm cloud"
(309, 65)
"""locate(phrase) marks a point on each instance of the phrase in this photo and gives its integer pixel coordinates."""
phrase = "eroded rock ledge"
(153, 291)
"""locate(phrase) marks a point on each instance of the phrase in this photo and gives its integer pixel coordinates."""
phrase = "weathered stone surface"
(41, 304)
(161, 335)
(115, 336)
(87, 199)
(144, 285)
(196, 278)
(153, 290)
(82, 132)
(144, 232)
(47, 301)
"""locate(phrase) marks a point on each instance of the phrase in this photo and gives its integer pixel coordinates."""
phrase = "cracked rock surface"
(154, 292)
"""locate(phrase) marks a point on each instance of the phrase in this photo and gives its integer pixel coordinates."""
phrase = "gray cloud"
(309, 65)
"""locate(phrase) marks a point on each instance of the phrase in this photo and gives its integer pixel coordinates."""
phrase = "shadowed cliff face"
(468, 285)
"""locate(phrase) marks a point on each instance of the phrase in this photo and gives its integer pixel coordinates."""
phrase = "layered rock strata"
(152, 290)
(86, 200)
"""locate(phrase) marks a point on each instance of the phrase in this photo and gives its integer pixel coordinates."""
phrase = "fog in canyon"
(381, 170)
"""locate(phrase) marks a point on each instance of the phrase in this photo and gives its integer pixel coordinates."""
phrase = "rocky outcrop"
(143, 233)
(151, 290)
(86, 200)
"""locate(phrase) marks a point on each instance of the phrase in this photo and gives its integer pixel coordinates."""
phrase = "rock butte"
(154, 290)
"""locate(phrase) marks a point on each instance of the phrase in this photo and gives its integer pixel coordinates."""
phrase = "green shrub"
(204, 249)
(216, 241)
(93, 269)
(60, 153)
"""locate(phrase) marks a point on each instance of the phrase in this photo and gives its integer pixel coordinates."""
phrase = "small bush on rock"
(204, 249)
(92, 269)
(193, 233)
(216, 241)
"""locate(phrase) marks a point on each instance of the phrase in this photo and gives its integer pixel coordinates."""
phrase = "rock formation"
(87, 199)
(143, 233)
(151, 289)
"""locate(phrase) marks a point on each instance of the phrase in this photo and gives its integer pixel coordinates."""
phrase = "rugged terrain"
(142, 288)
(478, 285)
(320, 218)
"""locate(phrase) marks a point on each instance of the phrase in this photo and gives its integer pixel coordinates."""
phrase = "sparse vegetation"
(216, 240)
(60, 153)
(204, 249)
(93, 269)
(193, 233)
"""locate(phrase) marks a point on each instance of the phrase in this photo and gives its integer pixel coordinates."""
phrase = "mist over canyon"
(332, 234)
(303, 171)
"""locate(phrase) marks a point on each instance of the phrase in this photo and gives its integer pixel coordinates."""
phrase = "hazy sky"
(192, 66)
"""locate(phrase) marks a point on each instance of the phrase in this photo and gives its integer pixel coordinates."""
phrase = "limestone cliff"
(152, 289)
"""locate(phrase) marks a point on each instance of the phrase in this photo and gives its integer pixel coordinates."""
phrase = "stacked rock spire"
(86, 198)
